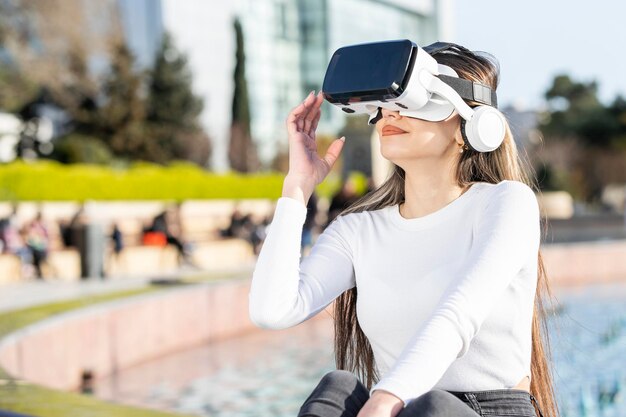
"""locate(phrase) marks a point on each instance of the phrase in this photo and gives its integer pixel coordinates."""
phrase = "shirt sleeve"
(506, 236)
(284, 291)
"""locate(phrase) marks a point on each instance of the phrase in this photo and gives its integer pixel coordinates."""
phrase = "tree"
(121, 118)
(173, 110)
(77, 148)
(575, 110)
(15, 89)
(242, 153)
(51, 53)
(585, 146)
(171, 99)
(618, 112)
(78, 95)
(151, 117)
(51, 58)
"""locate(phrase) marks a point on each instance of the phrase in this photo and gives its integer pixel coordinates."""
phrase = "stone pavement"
(587, 228)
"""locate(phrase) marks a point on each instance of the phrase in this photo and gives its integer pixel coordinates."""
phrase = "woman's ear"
(458, 136)
(454, 121)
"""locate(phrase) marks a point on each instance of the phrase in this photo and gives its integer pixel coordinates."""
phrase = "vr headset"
(401, 76)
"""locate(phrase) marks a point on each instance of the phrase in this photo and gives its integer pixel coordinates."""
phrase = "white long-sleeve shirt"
(445, 300)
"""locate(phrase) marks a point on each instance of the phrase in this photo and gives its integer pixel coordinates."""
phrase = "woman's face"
(405, 138)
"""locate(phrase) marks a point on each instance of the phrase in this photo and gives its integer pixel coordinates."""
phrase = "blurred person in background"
(70, 229)
(342, 199)
(13, 243)
(238, 225)
(448, 245)
(161, 225)
(309, 224)
(243, 226)
(38, 241)
(258, 234)
(117, 239)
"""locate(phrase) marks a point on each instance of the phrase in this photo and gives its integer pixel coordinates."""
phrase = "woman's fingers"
(294, 116)
(313, 114)
(292, 127)
(308, 122)
(333, 151)
(312, 125)
(315, 122)
(313, 117)
(305, 117)
(308, 105)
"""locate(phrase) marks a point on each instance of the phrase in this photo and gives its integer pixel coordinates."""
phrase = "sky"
(534, 40)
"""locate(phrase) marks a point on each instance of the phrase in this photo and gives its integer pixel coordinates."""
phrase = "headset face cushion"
(432, 112)
(435, 110)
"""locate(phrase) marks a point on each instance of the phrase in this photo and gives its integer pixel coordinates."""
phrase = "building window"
(281, 20)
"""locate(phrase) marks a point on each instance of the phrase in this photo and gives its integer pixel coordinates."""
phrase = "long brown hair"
(352, 349)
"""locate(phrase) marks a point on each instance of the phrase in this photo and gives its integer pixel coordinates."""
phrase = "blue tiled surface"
(589, 352)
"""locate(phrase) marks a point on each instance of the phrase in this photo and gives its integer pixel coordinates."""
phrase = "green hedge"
(53, 181)
(49, 181)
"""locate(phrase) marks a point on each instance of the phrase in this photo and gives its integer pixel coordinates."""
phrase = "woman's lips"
(392, 130)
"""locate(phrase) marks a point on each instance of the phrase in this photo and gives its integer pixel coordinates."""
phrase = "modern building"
(143, 26)
(271, 33)
(287, 47)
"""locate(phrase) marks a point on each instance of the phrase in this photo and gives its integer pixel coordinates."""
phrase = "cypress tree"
(241, 108)
(242, 152)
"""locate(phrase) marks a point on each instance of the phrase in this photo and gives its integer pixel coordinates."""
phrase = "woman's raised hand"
(306, 168)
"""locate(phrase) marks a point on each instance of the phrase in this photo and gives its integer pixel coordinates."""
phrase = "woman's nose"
(390, 113)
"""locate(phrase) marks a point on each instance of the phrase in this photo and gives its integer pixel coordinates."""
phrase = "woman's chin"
(401, 151)
(392, 153)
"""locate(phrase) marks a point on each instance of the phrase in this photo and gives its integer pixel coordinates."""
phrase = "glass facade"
(346, 22)
(143, 28)
(287, 47)
(272, 48)
(289, 43)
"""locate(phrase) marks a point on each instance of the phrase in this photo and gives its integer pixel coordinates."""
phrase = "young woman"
(444, 257)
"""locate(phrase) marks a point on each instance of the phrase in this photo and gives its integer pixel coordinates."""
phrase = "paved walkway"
(587, 228)
(35, 292)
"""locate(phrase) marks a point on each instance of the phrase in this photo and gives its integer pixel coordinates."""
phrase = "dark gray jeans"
(341, 394)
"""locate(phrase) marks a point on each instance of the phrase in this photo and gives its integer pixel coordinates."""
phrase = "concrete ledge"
(223, 253)
(63, 264)
(10, 268)
(142, 260)
(112, 336)
(556, 204)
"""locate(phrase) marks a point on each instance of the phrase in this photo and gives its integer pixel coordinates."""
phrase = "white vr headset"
(399, 75)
